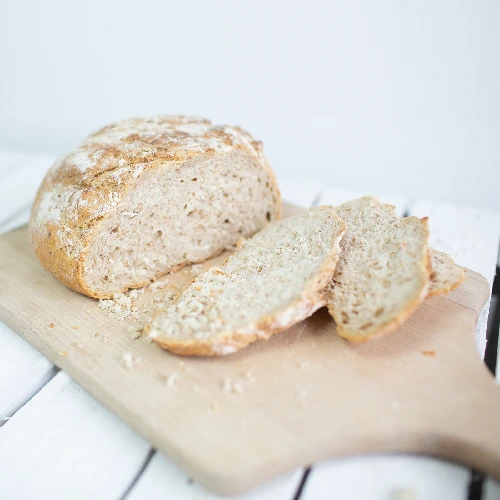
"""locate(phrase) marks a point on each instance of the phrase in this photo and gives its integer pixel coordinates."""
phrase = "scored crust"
(337, 294)
(83, 189)
(311, 298)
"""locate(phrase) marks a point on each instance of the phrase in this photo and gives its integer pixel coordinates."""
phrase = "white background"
(399, 97)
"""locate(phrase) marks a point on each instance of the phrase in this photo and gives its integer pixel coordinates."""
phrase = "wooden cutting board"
(303, 396)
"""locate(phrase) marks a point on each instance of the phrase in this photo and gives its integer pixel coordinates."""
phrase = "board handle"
(471, 425)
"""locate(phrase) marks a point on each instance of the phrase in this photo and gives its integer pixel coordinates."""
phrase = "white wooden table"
(58, 442)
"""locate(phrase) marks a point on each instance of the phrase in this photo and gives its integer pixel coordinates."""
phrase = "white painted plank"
(491, 490)
(299, 191)
(18, 219)
(337, 196)
(10, 160)
(162, 479)
(65, 444)
(386, 477)
(23, 370)
(471, 237)
(18, 186)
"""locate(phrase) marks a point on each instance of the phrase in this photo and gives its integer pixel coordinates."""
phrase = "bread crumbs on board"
(199, 390)
(135, 333)
(157, 285)
(196, 269)
(172, 379)
(122, 306)
(232, 387)
(129, 361)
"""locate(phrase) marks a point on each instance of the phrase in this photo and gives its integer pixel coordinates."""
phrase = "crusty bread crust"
(82, 189)
(312, 298)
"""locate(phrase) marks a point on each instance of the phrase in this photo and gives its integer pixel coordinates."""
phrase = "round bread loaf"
(146, 196)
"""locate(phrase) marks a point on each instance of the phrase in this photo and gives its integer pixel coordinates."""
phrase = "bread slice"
(445, 276)
(273, 281)
(383, 270)
(145, 196)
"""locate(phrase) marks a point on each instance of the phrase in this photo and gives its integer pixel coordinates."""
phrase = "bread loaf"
(144, 197)
(272, 282)
(383, 270)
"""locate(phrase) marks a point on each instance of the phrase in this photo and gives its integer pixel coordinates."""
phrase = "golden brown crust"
(310, 301)
(404, 314)
(234, 341)
(83, 188)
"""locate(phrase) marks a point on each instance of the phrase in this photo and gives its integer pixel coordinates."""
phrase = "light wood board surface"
(314, 395)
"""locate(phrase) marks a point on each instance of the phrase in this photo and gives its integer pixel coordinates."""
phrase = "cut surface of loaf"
(272, 282)
(445, 276)
(146, 196)
(383, 270)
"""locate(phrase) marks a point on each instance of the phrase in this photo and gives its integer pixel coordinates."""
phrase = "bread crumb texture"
(273, 281)
(383, 270)
(145, 196)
